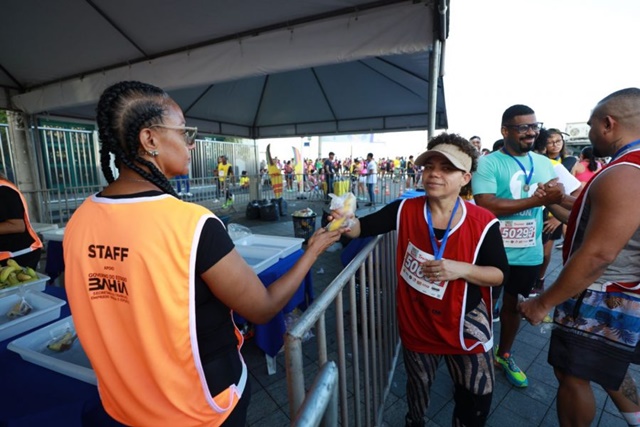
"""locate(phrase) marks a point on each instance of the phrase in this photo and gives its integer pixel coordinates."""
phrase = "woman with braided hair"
(152, 280)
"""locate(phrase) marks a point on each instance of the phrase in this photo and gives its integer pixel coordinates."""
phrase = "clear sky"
(559, 57)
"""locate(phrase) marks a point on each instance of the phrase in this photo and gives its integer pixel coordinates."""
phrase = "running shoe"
(537, 289)
(514, 374)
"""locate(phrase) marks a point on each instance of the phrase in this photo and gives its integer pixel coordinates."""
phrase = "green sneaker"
(514, 375)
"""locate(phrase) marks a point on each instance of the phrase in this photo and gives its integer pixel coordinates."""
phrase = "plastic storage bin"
(56, 234)
(283, 246)
(304, 226)
(73, 363)
(45, 308)
(35, 285)
(258, 258)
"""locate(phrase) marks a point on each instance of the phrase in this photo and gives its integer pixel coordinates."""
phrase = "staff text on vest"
(108, 252)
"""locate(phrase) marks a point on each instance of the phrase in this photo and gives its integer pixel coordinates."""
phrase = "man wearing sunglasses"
(505, 183)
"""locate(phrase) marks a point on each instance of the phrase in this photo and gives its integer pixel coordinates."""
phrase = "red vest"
(36, 240)
(428, 324)
(574, 238)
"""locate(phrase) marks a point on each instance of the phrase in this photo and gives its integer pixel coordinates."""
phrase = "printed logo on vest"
(102, 285)
(108, 285)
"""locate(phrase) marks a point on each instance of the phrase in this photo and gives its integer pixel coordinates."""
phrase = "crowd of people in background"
(398, 169)
(582, 164)
(363, 172)
(485, 225)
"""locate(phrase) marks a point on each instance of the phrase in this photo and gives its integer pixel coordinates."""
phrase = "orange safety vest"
(37, 244)
(130, 280)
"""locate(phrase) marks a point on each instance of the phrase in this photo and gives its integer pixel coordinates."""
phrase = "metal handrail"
(374, 339)
(321, 403)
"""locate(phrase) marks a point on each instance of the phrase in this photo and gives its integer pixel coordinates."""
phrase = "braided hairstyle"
(123, 110)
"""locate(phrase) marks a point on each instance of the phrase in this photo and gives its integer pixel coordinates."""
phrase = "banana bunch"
(348, 206)
(13, 274)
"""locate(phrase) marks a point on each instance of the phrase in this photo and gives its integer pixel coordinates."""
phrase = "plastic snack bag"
(62, 342)
(19, 309)
(346, 205)
(237, 231)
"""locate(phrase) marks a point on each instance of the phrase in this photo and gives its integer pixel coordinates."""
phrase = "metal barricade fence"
(372, 336)
(55, 205)
(321, 403)
(6, 157)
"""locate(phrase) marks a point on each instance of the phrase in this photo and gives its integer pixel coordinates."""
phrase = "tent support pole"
(434, 73)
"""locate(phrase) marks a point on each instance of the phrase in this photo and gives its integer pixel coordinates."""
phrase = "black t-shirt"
(328, 168)
(569, 162)
(411, 168)
(489, 254)
(11, 207)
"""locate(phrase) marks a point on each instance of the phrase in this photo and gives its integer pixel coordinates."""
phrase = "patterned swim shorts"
(597, 336)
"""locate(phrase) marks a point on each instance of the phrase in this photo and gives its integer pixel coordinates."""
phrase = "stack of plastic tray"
(56, 234)
(72, 362)
(45, 308)
(34, 285)
(283, 246)
(261, 251)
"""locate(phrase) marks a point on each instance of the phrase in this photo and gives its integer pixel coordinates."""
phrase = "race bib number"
(221, 173)
(412, 273)
(518, 233)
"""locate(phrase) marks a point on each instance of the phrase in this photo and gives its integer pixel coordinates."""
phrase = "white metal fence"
(56, 205)
(372, 339)
(6, 157)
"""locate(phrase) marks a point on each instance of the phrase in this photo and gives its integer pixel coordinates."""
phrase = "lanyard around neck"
(527, 178)
(625, 148)
(438, 252)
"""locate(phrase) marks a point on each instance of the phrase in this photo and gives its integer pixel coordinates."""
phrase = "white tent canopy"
(250, 68)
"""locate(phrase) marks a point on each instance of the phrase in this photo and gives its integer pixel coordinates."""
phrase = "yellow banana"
(24, 277)
(12, 263)
(31, 272)
(350, 202)
(349, 206)
(7, 271)
(336, 224)
(13, 279)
